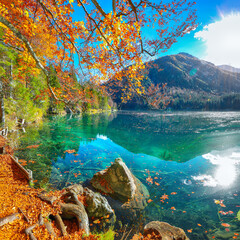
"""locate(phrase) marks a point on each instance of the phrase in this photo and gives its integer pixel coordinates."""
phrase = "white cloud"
(222, 39)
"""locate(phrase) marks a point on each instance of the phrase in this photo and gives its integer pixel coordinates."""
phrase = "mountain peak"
(186, 54)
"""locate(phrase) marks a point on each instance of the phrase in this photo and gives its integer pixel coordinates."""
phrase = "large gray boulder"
(118, 182)
(165, 231)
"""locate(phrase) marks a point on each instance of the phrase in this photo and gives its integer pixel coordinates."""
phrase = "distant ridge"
(186, 71)
(188, 79)
(229, 68)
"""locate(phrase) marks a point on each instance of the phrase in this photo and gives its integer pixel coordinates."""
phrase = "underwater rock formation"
(97, 206)
(165, 231)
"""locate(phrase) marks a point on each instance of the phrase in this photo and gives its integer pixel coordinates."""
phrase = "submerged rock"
(98, 210)
(96, 204)
(165, 231)
(118, 182)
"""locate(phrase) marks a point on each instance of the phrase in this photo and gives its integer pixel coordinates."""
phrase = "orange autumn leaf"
(225, 225)
(69, 151)
(164, 196)
(97, 221)
(149, 179)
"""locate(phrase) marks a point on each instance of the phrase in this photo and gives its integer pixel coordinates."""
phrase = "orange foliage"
(15, 193)
(96, 45)
(152, 236)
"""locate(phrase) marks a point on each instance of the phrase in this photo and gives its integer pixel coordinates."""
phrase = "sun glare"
(225, 174)
(225, 171)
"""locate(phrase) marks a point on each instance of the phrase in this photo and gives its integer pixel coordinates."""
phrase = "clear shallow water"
(192, 157)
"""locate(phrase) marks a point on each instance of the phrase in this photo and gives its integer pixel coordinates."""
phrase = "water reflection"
(176, 136)
(206, 180)
(72, 150)
(226, 172)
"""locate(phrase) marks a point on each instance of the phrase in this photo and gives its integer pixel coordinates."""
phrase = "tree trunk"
(11, 81)
(2, 111)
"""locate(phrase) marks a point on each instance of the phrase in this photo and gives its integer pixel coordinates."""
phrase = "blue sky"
(208, 12)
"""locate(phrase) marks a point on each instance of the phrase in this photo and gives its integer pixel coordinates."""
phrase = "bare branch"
(45, 9)
(114, 6)
(96, 25)
(99, 7)
(11, 46)
(136, 16)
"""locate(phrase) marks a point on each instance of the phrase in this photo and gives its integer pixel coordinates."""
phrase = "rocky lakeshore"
(114, 198)
(109, 205)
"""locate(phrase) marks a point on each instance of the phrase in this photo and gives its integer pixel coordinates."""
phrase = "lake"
(192, 158)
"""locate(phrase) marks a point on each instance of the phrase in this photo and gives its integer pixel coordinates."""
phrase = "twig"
(124, 232)
(24, 215)
(31, 236)
(128, 234)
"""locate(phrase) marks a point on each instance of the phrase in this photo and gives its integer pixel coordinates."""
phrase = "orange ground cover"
(15, 193)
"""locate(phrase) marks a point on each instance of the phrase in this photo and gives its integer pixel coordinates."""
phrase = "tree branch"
(114, 6)
(45, 9)
(96, 25)
(99, 8)
(136, 16)
(8, 45)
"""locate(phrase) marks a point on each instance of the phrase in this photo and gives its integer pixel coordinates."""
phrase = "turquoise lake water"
(192, 157)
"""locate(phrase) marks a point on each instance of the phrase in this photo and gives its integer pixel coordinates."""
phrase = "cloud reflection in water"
(226, 170)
